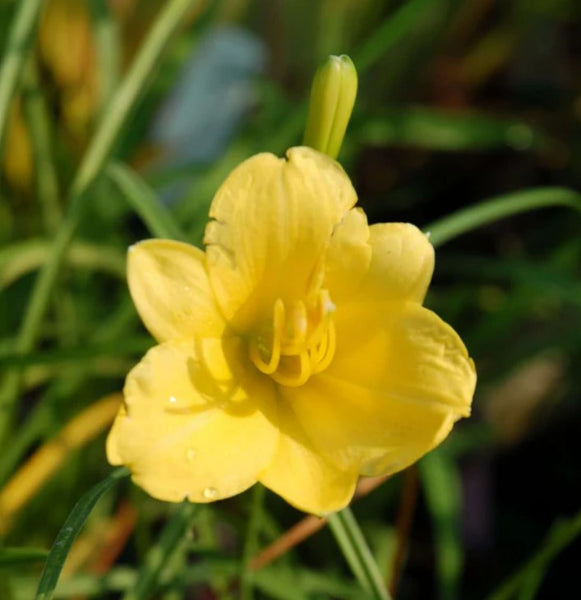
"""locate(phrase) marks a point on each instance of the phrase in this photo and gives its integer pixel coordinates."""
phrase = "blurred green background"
(459, 101)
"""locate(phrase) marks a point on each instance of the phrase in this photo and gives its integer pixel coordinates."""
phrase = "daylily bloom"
(294, 351)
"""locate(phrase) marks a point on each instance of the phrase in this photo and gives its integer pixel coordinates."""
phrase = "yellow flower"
(294, 351)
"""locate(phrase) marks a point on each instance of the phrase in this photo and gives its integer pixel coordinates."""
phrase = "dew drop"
(210, 493)
(191, 454)
(173, 399)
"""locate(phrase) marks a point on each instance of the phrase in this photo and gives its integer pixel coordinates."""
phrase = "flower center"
(299, 342)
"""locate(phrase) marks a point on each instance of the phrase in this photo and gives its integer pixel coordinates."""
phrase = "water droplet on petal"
(210, 493)
(191, 454)
(176, 405)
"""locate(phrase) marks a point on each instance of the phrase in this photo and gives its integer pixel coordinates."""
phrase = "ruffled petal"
(171, 290)
(400, 379)
(302, 476)
(348, 256)
(401, 266)
(196, 423)
(271, 220)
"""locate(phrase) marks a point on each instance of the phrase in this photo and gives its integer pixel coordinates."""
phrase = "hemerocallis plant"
(294, 351)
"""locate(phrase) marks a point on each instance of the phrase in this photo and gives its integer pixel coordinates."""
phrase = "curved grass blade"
(528, 578)
(22, 258)
(69, 531)
(472, 217)
(145, 203)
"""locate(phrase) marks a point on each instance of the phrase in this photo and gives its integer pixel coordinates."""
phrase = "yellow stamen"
(259, 349)
(299, 343)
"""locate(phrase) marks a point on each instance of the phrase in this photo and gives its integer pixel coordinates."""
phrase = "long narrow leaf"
(472, 217)
(69, 531)
(19, 43)
(145, 203)
(529, 577)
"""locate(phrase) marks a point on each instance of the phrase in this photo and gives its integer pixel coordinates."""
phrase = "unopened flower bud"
(332, 99)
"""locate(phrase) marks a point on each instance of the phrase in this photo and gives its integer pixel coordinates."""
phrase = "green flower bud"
(332, 99)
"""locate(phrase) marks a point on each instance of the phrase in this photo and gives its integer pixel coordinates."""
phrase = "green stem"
(99, 151)
(470, 218)
(19, 43)
(357, 553)
(145, 203)
(159, 555)
(38, 122)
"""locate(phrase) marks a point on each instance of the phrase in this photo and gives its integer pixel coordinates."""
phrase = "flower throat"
(299, 342)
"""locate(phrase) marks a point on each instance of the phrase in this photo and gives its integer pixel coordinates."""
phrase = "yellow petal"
(399, 380)
(302, 476)
(402, 263)
(272, 218)
(348, 256)
(196, 423)
(171, 290)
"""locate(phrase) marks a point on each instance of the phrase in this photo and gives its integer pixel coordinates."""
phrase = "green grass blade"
(118, 114)
(529, 577)
(442, 488)
(108, 46)
(100, 149)
(145, 203)
(357, 553)
(159, 555)
(38, 122)
(490, 211)
(389, 33)
(22, 258)
(445, 130)
(69, 531)
(19, 43)
(13, 557)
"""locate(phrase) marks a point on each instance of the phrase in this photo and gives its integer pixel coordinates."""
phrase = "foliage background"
(459, 101)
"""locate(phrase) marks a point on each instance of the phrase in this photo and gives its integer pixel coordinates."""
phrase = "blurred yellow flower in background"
(294, 351)
(67, 48)
(18, 164)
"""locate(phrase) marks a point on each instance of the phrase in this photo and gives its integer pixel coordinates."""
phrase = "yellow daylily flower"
(295, 351)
